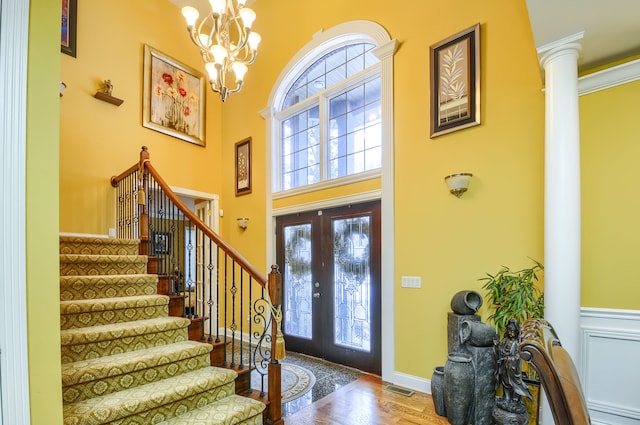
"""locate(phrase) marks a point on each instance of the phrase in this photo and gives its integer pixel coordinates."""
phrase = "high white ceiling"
(611, 27)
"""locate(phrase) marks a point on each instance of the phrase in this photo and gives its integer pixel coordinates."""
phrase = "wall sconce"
(458, 183)
(243, 222)
(63, 86)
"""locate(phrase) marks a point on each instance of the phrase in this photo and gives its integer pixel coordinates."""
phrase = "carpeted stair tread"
(95, 245)
(231, 410)
(96, 377)
(102, 367)
(95, 341)
(102, 311)
(87, 265)
(202, 386)
(107, 286)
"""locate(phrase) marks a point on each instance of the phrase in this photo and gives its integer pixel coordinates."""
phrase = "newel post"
(277, 346)
(143, 214)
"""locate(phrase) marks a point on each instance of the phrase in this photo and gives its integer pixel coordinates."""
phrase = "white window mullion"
(324, 137)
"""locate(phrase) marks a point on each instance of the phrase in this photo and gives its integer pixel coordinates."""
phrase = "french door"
(330, 261)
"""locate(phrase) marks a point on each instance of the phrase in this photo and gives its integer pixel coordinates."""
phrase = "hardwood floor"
(366, 402)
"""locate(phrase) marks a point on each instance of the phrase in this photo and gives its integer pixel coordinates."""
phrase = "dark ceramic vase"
(437, 390)
(477, 334)
(466, 302)
(458, 388)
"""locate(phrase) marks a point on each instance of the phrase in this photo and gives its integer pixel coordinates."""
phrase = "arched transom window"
(328, 116)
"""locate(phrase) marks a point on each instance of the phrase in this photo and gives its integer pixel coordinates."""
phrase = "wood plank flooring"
(366, 402)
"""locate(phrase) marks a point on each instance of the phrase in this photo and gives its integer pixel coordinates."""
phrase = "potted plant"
(515, 294)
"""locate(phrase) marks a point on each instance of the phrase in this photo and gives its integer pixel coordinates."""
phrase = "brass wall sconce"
(458, 183)
(243, 222)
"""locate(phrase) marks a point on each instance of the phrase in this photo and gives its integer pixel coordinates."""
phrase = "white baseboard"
(412, 382)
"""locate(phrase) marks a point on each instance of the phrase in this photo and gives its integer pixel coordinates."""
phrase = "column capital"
(569, 45)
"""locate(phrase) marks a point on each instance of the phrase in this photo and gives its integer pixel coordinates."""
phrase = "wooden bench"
(540, 346)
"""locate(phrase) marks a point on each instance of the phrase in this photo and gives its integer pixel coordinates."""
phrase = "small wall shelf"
(108, 98)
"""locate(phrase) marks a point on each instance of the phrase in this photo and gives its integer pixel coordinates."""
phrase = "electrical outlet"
(411, 282)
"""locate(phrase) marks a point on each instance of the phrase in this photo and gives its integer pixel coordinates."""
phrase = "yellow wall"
(43, 290)
(610, 205)
(449, 242)
(98, 139)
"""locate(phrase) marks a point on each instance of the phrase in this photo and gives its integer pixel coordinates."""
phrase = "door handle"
(316, 295)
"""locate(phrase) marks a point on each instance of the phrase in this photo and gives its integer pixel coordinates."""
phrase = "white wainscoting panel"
(610, 365)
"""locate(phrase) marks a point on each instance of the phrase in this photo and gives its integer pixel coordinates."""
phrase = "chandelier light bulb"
(241, 2)
(218, 6)
(240, 70)
(219, 54)
(191, 15)
(248, 16)
(211, 70)
(254, 40)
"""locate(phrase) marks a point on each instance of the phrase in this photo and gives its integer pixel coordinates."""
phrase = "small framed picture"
(173, 97)
(455, 82)
(69, 27)
(161, 243)
(243, 167)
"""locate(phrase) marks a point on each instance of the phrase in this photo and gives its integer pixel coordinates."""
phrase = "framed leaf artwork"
(455, 82)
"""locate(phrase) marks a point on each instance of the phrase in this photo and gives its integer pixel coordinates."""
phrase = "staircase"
(124, 359)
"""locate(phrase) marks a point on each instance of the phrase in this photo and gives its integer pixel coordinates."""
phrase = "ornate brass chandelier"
(226, 42)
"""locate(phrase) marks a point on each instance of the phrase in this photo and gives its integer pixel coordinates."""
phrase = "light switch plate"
(411, 282)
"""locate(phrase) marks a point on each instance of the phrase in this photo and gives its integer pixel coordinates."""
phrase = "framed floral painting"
(173, 97)
(68, 26)
(455, 82)
(243, 167)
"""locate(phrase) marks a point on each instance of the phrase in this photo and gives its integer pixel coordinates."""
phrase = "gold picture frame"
(173, 97)
(455, 82)
(243, 167)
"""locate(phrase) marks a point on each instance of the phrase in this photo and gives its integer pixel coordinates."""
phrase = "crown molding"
(610, 77)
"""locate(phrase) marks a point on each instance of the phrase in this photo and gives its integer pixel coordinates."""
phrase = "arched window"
(327, 111)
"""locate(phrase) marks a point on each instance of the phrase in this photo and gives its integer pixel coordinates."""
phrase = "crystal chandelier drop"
(226, 42)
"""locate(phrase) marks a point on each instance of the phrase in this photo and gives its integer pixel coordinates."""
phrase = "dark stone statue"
(509, 408)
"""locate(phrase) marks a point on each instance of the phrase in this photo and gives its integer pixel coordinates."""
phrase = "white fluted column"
(562, 242)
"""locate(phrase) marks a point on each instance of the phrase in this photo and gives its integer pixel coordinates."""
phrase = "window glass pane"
(353, 138)
(344, 61)
(301, 150)
(297, 281)
(336, 75)
(336, 58)
(338, 106)
(362, 129)
(355, 50)
(352, 283)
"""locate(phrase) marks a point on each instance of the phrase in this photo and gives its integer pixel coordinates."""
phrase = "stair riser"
(74, 353)
(98, 246)
(86, 390)
(96, 266)
(89, 291)
(81, 320)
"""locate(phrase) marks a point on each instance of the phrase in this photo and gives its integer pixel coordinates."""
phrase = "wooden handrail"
(145, 173)
(228, 249)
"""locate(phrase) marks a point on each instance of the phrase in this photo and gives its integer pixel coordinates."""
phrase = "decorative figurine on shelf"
(509, 408)
(108, 87)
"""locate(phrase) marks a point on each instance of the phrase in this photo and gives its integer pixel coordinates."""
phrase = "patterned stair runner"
(125, 361)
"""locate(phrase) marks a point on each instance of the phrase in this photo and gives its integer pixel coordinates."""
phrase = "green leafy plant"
(514, 294)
